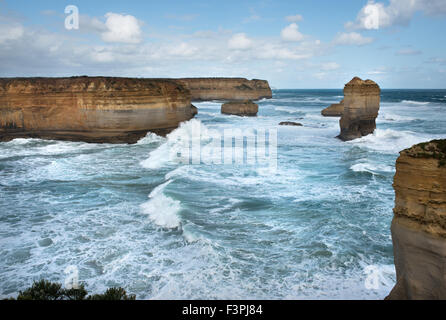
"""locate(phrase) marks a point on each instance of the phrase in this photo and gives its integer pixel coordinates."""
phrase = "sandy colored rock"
(226, 89)
(91, 109)
(335, 110)
(240, 108)
(419, 223)
(361, 107)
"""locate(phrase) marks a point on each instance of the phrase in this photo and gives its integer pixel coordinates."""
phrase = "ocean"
(317, 227)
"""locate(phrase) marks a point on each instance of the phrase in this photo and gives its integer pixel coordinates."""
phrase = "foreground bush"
(46, 290)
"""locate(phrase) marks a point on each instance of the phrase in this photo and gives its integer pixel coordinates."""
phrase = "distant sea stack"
(419, 223)
(227, 89)
(361, 106)
(335, 110)
(91, 109)
(240, 108)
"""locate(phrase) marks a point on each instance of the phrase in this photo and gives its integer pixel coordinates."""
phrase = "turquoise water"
(125, 216)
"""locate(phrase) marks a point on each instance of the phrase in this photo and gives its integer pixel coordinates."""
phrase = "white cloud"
(408, 52)
(330, 66)
(102, 56)
(252, 18)
(295, 18)
(88, 24)
(438, 60)
(122, 28)
(11, 32)
(240, 41)
(376, 15)
(291, 33)
(202, 53)
(183, 50)
(351, 38)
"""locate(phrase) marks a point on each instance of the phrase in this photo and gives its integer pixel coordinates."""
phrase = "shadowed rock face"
(91, 109)
(335, 110)
(361, 106)
(232, 89)
(419, 223)
(242, 108)
(290, 123)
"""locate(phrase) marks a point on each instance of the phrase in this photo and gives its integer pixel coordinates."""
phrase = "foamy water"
(127, 215)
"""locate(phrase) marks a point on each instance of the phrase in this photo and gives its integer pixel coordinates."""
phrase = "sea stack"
(335, 110)
(91, 109)
(240, 108)
(361, 106)
(419, 223)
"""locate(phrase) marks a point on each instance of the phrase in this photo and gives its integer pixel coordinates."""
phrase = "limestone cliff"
(335, 110)
(205, 89)
(361, 106)
(240, 108)
(419, 223)
(91, 109)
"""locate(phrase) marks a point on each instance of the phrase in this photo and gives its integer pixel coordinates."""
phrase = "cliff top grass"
(435, 149)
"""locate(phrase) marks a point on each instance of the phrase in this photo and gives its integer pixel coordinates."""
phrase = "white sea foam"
(371, 167)
(414, 102)
(177, 143)
(151, 138)
(390, 141)
(162, 210)
(391, 117)
(289, 110)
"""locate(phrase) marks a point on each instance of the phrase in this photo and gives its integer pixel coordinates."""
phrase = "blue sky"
(293, 44)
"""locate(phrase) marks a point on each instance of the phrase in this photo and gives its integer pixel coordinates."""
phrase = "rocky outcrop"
(240, 108)
(335, 110)
(419, 223)
(91, 109)
(361, 106)
(290, 123)
(227, 89)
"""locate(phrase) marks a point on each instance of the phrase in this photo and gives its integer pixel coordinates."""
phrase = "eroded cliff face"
(231, 89)
(240, 108)
(361, 107)
(335, 110)
(419, 223)
(91, 109)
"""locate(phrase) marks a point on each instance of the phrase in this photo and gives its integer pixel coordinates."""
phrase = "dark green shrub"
(46, 290)
(112, 294)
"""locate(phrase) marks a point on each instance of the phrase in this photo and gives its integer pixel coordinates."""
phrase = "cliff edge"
(91, 109)
(419, 223)
(228, 89)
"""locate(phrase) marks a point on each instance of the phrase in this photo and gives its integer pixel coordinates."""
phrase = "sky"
(292, 44)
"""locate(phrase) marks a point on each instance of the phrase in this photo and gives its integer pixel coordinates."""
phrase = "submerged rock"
(335, 110)
(361, 106)
(419, 223)
(290, 123)
(240, 108)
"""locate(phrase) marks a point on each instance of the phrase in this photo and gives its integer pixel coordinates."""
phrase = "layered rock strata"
(419, 223)
(240, 108)
(335, 110)
(361, 107)
(91, 109)
(226, 89)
